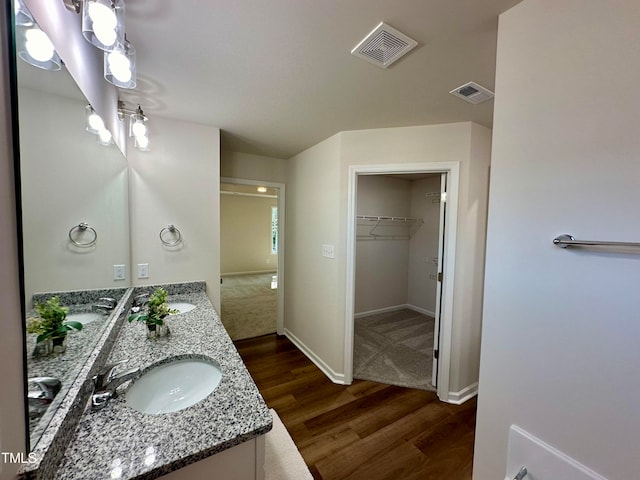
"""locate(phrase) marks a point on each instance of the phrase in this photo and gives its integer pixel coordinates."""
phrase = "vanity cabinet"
(242, 462)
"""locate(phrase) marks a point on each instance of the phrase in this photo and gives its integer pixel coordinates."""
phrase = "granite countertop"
(119, 442)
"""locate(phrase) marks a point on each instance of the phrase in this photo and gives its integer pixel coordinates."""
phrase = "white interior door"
(439, 302)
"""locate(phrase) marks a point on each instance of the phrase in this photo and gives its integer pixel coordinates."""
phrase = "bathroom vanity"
(221, 436)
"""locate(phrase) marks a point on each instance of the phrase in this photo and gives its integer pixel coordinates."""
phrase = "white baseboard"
(326, 369)
(395, 308)
(253, 272)
(423, 311)
(467, 393)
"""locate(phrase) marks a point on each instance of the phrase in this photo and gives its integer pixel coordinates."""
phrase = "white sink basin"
(85, 317)
(173, 386)
(182, 307)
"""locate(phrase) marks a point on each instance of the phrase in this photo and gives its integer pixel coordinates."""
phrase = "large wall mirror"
(67, 179)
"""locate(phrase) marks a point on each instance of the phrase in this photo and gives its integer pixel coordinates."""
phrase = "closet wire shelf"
(378, 227)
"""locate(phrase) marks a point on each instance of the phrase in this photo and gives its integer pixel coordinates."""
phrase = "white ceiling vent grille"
(472, 93)
(383, 46)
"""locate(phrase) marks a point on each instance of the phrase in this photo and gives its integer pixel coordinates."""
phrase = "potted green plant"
(157, 310)
(51, 327)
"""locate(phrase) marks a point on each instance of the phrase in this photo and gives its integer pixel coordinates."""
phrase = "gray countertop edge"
(117, 437)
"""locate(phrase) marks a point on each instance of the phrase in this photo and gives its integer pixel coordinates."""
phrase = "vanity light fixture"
(138, 126)
(120, 66)
(103, 23)
(32, 44)
(262, 189)
(103, 27)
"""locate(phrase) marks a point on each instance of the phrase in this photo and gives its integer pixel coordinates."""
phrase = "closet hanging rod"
(382, 217)
(566, 240)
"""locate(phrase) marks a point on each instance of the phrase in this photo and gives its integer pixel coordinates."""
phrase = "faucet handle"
(106, 374)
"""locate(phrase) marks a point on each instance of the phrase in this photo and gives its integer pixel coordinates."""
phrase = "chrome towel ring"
(79, 230)
(170, 229)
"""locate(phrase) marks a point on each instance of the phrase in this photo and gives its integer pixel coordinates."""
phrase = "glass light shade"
(22, 15)
(93, 120)
(104, 137)
(103, 23)
(35, 48)
(142, 143)
(120, 66)
(138, 124)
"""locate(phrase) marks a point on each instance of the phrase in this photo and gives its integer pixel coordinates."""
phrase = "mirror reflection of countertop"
(121, 441)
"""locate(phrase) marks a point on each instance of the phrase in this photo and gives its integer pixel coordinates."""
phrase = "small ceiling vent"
(383, 46)
(472, 93)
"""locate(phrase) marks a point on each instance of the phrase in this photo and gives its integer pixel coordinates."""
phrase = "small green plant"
(157, 309)
(51, 322)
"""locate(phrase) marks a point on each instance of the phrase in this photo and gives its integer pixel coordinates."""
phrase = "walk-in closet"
(396, 277)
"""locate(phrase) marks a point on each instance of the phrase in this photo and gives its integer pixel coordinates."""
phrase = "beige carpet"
(395, 348)
(249, 305)
(282, 459)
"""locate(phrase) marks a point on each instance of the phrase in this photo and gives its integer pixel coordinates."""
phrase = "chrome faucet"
(106, 382)
(139, 301)
(39, 400)
(104, 305)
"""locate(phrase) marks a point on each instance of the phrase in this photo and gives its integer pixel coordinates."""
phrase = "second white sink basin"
(174, 386)
(182, 307)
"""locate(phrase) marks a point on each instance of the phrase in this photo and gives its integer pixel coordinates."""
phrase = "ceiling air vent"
(472, 93)
(383, 46)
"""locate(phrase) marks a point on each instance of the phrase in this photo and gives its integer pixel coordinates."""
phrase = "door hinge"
(435, 354)
(440, 276)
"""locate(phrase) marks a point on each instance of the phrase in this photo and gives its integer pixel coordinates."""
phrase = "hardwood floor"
(366, 430)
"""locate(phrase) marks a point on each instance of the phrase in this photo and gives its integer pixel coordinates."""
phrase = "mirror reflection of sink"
(84, 317)
(182, 307)
(174, 386)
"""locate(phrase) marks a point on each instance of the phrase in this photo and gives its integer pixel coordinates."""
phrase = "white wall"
(382, 266)
(423, 245)
(53, 143)
(561, 329)
(314, 306)
(177, 183)
(245, 234)
(12, 424)
(252, 167)
(319, 177)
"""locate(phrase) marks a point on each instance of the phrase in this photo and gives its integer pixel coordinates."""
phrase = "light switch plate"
(119, 272)
(328, 251)
(143, 270)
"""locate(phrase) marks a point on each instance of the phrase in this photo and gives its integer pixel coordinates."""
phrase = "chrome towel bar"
(566, 240)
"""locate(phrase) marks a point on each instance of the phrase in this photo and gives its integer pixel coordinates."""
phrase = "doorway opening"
(251, 257)
(400, 265)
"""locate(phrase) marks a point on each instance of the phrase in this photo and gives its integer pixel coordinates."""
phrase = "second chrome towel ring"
(166, 232)
(78, 231)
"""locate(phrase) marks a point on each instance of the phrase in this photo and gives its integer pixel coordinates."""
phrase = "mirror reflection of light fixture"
(138, 126)
(262, 189)
(120, 66)
(22, 15)
(95, 125)
(32, 44)
(103, 23)
(93, 120)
